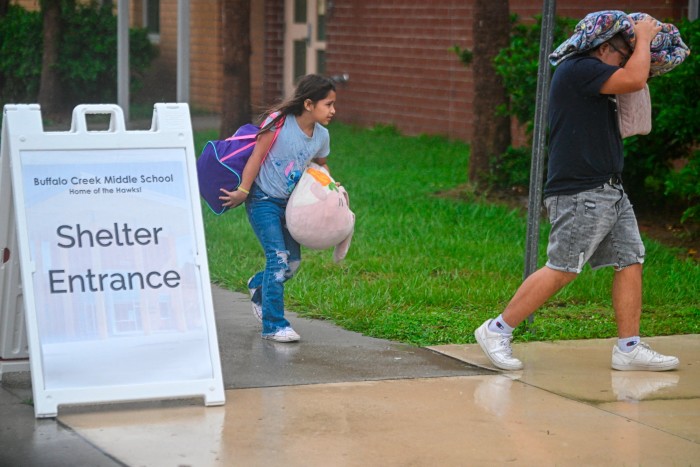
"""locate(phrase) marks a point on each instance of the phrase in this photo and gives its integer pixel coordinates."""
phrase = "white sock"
(628, 343)
(500, 326)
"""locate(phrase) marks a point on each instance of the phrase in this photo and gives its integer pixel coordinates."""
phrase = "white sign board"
(14, 348)
(113, 258)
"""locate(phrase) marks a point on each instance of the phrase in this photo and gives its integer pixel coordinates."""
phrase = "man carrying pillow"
(592, 220)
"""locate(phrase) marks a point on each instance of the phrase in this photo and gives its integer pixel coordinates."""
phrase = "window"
(151, 19)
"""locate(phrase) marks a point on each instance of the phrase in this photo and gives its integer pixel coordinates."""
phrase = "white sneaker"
(283, 335)
(496, 346)
(257, 309)
(251, 290)
(642, 358)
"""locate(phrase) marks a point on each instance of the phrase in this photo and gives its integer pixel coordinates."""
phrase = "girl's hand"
(232, 199)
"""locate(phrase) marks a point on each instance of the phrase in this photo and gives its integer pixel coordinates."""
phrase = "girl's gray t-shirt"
(289, 156)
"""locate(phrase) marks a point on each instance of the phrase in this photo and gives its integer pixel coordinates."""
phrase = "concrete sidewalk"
(342, 399)
(327, 355)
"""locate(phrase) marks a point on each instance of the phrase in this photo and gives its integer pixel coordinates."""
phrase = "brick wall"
(30, 5)
(168, 47)
(136, 13)
(257, 44)
(159, 83)
(206, 55)
(206, 68)
(661, 9)
(273, 81)
(401, 71)
(395, 51)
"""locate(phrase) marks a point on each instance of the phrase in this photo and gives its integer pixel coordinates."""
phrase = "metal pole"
(538, 140)
(183, 51)
(123, 56)
(692, 10)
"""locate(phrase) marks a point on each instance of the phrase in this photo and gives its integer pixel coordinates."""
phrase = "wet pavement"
(327, 355)
(339, 398)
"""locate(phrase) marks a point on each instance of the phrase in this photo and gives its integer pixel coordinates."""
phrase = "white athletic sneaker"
(496, 346)
(257, 309)
(283, 335)
(251, 290)
(642, 358)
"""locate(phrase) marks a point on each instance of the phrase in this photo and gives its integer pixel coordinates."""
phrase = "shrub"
(20, 55)
(512, 168)
(648, 159)
(651, 159)
(685, 185)
(87, 63)
(518, 65)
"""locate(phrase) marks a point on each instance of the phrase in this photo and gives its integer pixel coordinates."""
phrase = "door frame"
(294, 33)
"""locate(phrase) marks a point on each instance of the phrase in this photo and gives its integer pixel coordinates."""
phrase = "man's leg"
(627, 300)
(625, 249)
(494, 338)
(533, 292)
(630, 353)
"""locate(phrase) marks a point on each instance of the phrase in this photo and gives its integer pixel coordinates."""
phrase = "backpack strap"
(239, 150)
(279, 126)
(253, 138)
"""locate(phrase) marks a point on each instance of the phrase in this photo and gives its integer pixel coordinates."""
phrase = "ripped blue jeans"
(282, 256)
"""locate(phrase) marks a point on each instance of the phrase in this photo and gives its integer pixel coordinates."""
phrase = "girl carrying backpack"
(266, 186)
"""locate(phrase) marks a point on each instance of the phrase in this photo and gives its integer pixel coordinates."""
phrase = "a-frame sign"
(114, 272)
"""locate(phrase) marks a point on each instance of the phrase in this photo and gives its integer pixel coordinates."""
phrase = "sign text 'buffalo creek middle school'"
(90, 185)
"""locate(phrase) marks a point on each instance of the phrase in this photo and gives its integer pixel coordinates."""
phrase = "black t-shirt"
(585, 147)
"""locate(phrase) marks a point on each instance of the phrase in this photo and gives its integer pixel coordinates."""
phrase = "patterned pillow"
(667, 49)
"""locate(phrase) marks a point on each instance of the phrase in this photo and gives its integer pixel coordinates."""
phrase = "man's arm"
(633, 76)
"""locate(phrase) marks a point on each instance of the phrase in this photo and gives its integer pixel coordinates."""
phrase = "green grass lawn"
(427, 269)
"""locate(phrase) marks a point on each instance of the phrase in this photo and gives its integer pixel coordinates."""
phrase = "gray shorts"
(597, 227)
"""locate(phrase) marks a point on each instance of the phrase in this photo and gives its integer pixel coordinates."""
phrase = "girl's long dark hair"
(313, 87)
